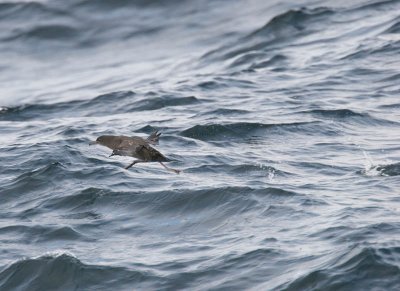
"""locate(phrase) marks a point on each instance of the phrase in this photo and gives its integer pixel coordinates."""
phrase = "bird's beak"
(93, 142)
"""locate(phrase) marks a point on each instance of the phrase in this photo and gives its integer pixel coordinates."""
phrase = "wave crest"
(65, 272)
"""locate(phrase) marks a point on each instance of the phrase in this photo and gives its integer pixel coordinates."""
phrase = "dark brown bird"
(135, 146)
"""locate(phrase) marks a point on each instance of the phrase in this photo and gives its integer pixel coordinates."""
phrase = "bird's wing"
(129, 147)
(140, 149)
(150, 154)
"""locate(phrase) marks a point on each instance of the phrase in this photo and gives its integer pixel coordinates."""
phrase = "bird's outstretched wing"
(129, 147)
(150, 154)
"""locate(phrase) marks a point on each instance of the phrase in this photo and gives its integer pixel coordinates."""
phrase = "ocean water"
(284, 117)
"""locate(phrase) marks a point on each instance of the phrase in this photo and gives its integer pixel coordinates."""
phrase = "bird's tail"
(153, 138)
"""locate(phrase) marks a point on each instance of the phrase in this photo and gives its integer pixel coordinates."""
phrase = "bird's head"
(102, 140)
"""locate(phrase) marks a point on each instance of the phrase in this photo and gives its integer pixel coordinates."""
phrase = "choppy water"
(285, 119)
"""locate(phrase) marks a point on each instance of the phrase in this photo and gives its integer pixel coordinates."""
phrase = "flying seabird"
(135, 146)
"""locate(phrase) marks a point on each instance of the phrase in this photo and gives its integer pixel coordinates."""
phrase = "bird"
(135, 146)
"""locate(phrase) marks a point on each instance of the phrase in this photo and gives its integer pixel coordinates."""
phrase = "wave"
(252, 61)
(56, 110)
(26, 9)
(226, 112)
(82, 202)
(233, 269)
(237, 169)
(335, 113)
(40, 233)
(120, 101)
(33, 179)
(393, 78)
(73, 24)
(4, 110)
(161, 102)
(56, 22)
(122, 4)
(349, 116)
(292, 22)
(375, 5)
(362, 52)
(390, 106)
(241, 130)
(277, 61)
(360, 269)
(212, 85)
(221, 202)
(47, 32)
(343, 234)
(66, 272)
(261, 48)
(395, 28)
(285, 26)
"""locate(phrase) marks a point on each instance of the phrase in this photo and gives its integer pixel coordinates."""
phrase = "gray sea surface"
(284, 117)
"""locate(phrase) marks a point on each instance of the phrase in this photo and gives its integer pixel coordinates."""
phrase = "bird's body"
(135, 146)
(132, 146)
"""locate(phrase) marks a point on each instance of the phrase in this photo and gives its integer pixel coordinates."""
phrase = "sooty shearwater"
(135, 146)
